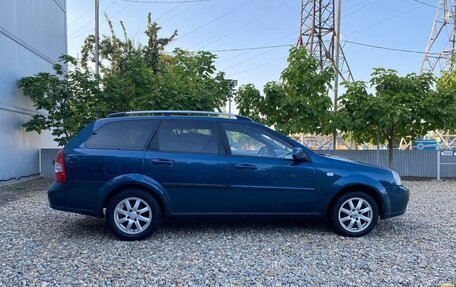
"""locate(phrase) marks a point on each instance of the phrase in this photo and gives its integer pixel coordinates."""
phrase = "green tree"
(297, 104)
(144, 77)
(306, 107)
(190, 81)
(130, 72)
(71, 100)
(271, 108)
(398, 109)
(133, 77)
(445, 116)
(249, 102)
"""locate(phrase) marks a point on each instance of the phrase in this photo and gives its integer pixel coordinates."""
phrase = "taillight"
(59, 167)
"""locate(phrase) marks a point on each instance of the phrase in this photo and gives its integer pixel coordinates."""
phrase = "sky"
(231, 24)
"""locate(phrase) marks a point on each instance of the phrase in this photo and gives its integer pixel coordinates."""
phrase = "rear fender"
(116, 184)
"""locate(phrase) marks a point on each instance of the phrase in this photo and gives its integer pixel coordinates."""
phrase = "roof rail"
(177, 112)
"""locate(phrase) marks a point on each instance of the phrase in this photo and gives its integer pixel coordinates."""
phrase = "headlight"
(397, 178)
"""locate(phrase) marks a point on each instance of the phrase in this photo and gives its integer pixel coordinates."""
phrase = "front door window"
(250, 141)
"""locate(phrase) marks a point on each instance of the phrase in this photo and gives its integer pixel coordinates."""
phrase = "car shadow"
(81, 227)
(398, 226)
(242, 224)
(86, 227)
(95, 228)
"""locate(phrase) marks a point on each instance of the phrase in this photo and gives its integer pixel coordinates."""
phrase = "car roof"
(103, 121)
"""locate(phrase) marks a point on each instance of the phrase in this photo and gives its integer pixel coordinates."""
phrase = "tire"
(133, 214)
(356, 221)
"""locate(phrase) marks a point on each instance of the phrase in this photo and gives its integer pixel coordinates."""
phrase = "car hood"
(336, 158)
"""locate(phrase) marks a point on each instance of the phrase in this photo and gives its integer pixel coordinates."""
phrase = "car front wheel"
(354, 214)
(133, 214)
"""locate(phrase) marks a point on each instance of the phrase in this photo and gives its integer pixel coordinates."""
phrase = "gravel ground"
(43, 247)
(23, 189)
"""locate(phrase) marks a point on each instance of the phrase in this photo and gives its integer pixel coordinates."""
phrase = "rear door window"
(123, 135)
(187, 136)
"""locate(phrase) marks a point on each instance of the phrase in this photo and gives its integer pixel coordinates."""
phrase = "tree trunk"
(390, 154)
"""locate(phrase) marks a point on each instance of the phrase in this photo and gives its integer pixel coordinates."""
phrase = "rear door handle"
(161, 161)
(246, 166)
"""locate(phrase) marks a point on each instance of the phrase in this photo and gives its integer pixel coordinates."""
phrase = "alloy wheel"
(355, 214)
(132, 215)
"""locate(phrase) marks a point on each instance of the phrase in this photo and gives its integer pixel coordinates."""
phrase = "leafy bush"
(132, 77)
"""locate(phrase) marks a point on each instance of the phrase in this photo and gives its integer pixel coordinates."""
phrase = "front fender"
(133, 179)
(337, 187)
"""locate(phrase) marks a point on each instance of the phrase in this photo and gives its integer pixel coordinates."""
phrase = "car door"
(262, 175)
(187, 158)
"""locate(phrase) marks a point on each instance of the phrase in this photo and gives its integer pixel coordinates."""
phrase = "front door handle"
(161, 161)
(246, 166)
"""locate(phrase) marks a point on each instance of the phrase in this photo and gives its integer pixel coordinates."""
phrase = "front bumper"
(399, 198)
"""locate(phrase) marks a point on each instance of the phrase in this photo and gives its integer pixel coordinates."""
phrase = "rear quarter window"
(123, 135)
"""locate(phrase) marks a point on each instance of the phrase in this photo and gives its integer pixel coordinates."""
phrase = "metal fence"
(416, 163)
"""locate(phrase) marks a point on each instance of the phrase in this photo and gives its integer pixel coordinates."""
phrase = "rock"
(43, 247)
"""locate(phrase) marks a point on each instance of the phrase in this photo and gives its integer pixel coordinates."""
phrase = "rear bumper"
(62, 197)
(75, 210)
(399, 198)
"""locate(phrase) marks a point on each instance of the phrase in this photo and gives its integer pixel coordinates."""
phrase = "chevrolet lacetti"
(138, 168)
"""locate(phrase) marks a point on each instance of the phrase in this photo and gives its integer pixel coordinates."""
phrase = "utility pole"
(97, 37)
(232, 84)
(336, 56)
(443, 34)
(321, 38)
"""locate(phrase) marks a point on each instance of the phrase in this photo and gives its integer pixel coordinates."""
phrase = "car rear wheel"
(354, 214)
(133, 214)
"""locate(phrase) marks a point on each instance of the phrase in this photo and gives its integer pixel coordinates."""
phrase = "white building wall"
(32, 37)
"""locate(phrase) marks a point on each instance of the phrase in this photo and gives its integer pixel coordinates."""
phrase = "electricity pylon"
(442, 41)
(320, 34)
(439, 54)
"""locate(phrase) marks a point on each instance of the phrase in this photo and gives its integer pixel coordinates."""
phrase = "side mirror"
(299, 154)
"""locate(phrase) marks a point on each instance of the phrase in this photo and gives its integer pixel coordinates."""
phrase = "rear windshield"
(123, 135)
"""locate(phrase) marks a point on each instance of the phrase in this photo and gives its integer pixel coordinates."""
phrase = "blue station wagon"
(138, 168)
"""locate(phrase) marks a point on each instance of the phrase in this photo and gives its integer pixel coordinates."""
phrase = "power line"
(166, 2)
(292, 44)
(250, 48)
(234, 9)
(384, 48)
(353, 11)
(260, 66)
(78, 32)
(77, 35)
(256, 18)
(90, 9)
(178, 13)
(288, 45)
(137, 32)
(80, 16)
(425, 3)
(353, 7)
(381, 21)
(244, 61)
(244, 52)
